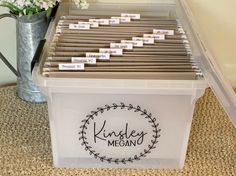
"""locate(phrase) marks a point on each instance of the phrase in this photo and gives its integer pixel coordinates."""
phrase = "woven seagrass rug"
(25, 147)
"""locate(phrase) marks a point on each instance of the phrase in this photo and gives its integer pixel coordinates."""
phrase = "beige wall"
(216, 18)
(132, 1)
(7, 47)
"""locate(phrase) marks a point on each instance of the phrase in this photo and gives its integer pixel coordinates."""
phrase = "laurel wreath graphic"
(114, 106)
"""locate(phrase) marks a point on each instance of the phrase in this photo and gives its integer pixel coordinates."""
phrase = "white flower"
(81, 4)
(84, 5)
(45, 5)
(27, 3)
(26, 6)
(20, 3)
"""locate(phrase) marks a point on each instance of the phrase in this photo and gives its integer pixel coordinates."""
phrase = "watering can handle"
(7, 15)
(8, 64)
(37, 53)
(1, 55)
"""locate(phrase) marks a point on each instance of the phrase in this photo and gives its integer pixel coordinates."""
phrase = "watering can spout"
(9, 65)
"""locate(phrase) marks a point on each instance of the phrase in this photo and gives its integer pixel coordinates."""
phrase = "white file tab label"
(114, 21)
(85, 60)
(71, 66)
(163, 31)
(135, 43)
(102, 56)
(104, 21)
(92, 24)
(131, 15)
(146, 40)
(79, 26)
(128, 46)
(112, 51)
(122, 19)
(101, 21)
(155, 36)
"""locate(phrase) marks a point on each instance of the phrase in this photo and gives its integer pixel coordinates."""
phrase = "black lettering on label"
(125, 136)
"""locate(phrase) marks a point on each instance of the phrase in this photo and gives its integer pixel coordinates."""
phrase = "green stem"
(13, 7)
(49, 11)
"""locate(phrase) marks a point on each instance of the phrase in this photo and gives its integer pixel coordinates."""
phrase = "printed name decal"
(119, 133)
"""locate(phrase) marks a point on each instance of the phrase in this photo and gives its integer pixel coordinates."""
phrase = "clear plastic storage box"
(131, 123)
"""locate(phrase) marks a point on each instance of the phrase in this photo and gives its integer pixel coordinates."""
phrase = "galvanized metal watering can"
(29, 32)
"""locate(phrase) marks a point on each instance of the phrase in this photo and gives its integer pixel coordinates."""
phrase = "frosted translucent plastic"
(70, 100)
(171, 102)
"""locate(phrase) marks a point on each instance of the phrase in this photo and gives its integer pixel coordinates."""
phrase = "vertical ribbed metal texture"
(29, 32)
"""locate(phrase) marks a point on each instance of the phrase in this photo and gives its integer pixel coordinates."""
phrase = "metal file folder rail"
(121, 82)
